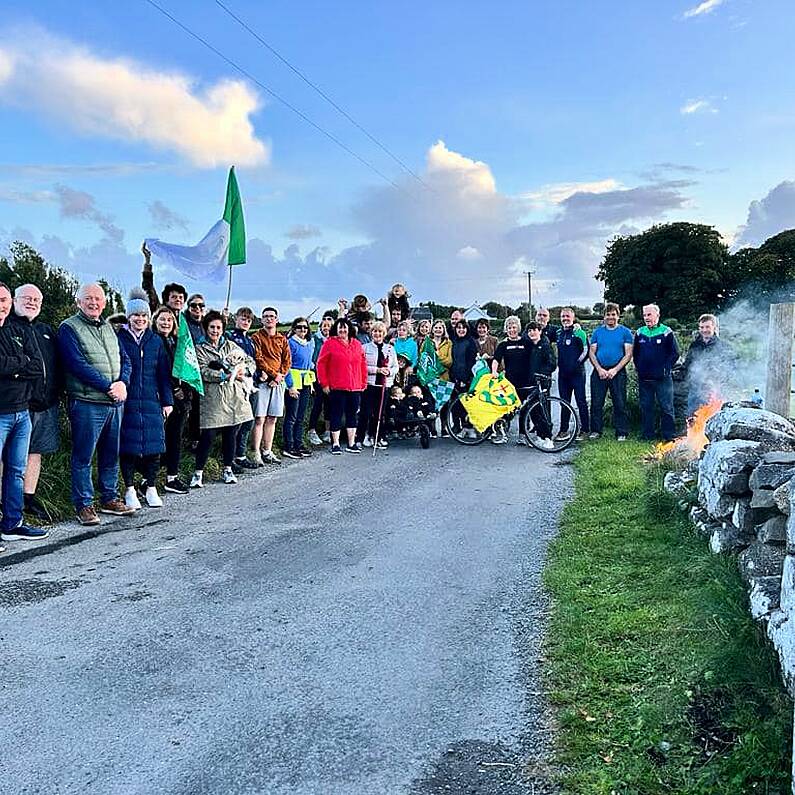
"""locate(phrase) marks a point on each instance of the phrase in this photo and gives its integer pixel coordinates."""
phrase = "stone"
(737, 485)
(745, 517)
(698, 514)
(788, 585)
(773, 530)
(721, 462)
(756, 425)
(761, 560)
(764, 596)
(781, 497)
(770, 476)
(779, 457)
(727, 538)
(678, 484)
(763, 498)
(781, 631)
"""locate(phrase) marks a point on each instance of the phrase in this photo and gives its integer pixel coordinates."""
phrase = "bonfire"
(692, 444)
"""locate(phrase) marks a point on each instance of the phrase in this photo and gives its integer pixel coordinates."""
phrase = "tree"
(683, 267)
(767, 272)
(494, 309)
(58, 287)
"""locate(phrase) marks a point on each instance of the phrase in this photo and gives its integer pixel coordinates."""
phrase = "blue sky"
(539, 131)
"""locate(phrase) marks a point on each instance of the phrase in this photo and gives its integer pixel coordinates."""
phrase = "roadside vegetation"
(661, 681)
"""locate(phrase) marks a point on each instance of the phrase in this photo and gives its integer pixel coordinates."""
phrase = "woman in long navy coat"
(149, 402)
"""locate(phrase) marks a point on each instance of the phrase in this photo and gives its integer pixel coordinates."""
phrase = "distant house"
(420, 313)
(475, 313)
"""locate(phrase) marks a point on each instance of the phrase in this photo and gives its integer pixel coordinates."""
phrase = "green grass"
(661, 680)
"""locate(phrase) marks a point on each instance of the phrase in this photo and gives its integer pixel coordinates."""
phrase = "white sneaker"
(368, 442)
(521, 440)
(196, 482)
(314, 439)
(153, 499)
(546, 444)
(131, 499)
(327, 437)
(621, 438)
(229, 476)
(269, 457)
(471, 433)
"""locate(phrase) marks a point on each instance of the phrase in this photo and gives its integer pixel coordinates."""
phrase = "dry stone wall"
(745, 487)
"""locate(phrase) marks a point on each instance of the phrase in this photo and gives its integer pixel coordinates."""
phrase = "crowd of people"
(356, 373)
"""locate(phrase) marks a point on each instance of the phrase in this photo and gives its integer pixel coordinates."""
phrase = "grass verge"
(661, 680)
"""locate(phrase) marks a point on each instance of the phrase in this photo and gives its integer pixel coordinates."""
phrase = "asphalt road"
(345, 625)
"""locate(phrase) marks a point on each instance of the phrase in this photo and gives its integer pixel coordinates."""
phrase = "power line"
(320, 91)
(276, 96)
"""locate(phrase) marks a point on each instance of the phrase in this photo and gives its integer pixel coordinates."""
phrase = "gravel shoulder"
(340, 625)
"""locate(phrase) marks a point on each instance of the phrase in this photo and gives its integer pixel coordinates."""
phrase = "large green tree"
(767, 272)
(683, 267)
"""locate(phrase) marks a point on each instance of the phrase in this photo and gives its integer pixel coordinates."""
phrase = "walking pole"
(380, 412)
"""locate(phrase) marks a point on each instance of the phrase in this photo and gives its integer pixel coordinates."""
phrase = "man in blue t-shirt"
(610, 351)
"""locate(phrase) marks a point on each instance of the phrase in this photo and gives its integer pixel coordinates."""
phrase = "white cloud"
(768, 216)
(697, 106)
(303, 232)
(560, 191)
(468, 252)
(706, 7)
(125, 100)
(459, 241)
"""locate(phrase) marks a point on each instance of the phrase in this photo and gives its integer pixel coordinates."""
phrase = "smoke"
(737, 366)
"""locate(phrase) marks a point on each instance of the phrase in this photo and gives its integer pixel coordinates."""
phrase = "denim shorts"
(45, 435)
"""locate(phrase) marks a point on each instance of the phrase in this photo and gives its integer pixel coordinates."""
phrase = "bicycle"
(539, 404)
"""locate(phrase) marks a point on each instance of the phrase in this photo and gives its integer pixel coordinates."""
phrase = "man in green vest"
(97, 371)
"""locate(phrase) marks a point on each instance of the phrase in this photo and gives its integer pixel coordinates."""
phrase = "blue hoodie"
(301, 360)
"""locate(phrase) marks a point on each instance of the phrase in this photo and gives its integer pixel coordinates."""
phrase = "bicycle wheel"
(459, 426)
(547, 410)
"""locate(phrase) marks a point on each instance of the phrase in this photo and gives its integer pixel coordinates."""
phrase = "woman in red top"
(342, 373)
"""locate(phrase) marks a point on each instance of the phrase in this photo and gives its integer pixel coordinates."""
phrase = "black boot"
(35, 509)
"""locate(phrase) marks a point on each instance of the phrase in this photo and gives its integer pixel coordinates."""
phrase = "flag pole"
(229, 290)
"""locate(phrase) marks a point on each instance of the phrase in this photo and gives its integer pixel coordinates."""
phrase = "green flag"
(233, 215)
(428, 365)
(186, 365)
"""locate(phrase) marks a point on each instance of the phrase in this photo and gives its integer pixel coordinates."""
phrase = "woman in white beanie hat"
(149, 402)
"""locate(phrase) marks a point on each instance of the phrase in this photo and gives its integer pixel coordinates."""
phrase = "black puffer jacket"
(20, 367)
(47, 389)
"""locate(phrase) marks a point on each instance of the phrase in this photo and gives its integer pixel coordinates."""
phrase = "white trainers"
(153, 499)
(314, 439)
(546, 444)
(229, 476)
(368, 442)
(197, 482)
(327, 437)
(131, 499)
(269, 457)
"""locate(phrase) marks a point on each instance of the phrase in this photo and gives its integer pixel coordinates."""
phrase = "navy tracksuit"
(655, 353)
(572, 353)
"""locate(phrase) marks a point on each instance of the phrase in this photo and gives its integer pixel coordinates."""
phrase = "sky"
(500, 138)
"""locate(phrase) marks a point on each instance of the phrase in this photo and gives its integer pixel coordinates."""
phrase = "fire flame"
(695, 440)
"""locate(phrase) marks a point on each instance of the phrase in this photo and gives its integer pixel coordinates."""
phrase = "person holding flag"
(164, 324)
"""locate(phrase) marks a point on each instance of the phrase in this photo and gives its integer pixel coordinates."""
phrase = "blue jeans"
(95, 426)
(569, 383)
(663, 390)
(14, 441)
(294, 411)
(617, 386)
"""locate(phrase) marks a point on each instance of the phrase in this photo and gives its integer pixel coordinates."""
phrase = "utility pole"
(530, 275)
